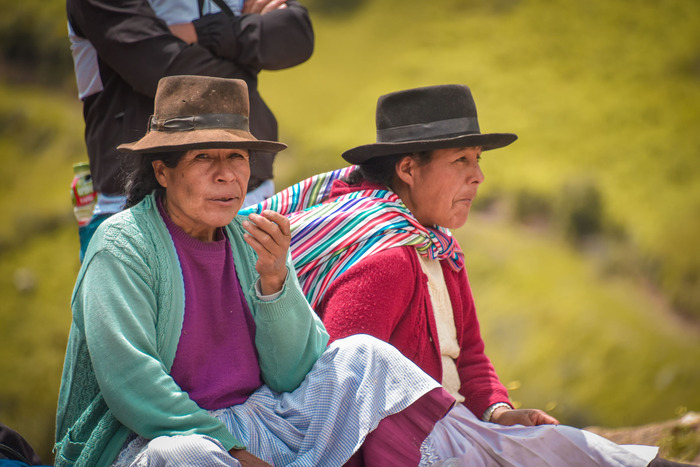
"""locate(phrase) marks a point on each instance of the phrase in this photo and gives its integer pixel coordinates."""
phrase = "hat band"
(420, 131)
(200, 122)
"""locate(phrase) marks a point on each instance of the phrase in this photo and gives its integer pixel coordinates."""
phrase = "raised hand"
(269, 235)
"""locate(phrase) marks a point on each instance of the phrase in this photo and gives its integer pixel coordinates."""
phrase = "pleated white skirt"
(461, 439)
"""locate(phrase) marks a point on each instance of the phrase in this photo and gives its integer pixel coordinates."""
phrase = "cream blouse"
(445, 321)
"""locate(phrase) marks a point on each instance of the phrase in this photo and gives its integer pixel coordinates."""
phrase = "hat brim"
(162, 141)
(487, 142)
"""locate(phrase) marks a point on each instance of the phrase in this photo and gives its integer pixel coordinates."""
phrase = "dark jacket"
(135, 49)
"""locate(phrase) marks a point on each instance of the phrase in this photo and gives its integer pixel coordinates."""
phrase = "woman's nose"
(226, 171)
(477, 176)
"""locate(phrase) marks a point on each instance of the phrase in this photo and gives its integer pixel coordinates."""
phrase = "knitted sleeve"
(289, 336)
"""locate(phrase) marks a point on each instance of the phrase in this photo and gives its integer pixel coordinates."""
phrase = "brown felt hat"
(427, 118)
(200, 112)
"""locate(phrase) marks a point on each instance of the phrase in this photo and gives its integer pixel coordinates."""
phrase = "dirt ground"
(677, 439)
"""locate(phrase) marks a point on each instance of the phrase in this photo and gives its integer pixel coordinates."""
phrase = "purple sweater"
(216, 361)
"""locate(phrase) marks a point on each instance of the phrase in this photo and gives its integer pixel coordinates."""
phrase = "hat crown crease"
(436, 129)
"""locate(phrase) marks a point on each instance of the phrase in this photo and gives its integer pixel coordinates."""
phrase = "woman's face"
(205, 190)
(441, 192)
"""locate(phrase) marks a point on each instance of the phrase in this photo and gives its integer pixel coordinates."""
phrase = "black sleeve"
(134, 42)
(273, 41)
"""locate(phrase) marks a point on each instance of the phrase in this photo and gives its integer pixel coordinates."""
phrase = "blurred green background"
(582, 250)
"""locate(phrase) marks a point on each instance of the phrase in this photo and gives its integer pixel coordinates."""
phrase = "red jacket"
(386, 295)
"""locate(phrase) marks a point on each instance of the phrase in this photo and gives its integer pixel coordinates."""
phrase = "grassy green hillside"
(586, 319)
(41, 137)
(586, 345)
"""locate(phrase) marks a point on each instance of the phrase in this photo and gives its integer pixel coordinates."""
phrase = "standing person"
(374, 255)
(191, 341)
(122, 48)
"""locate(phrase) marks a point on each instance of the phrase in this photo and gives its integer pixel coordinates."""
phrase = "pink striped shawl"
(329, 236)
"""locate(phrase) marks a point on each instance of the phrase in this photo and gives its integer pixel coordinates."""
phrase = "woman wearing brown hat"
(191, 341)
(376, 257)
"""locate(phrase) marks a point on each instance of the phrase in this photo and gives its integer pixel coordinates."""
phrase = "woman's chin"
(225, 209)
(456, 221)
(222, 220)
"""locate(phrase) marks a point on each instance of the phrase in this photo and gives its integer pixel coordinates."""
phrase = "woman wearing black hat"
(191, 341)
(376, 257)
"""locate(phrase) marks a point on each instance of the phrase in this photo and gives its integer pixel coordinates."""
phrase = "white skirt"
(462, 439)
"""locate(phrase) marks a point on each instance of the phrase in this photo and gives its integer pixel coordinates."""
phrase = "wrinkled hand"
(263, 6)
(184, 31)
(269, 235)
(247, 459)
(527, 417)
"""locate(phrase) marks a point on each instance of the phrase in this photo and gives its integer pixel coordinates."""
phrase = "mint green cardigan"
(128, 310)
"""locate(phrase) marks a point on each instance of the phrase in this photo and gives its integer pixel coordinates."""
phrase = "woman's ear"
(159, 169)
(405, 170)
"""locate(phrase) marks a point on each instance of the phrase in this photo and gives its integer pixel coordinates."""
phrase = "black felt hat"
(427, 118)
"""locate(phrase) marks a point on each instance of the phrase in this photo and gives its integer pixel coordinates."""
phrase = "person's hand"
(247, 459)
(262, 6)
(269, 235)
(527, 417)
(184, 31)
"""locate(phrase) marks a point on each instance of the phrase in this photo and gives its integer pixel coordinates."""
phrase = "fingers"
(247, 459)
(539, 417)
(526, 417)
(281, 221)
(263, 6)
(273, 5)
(271, 229)
(269, 235)
(523, 418)
(184, 31)
(545, 419)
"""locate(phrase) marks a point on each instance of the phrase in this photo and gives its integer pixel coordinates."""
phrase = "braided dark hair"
(382, 169)
(140, 179)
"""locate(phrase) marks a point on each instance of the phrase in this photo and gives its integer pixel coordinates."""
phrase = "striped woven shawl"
(329, 236)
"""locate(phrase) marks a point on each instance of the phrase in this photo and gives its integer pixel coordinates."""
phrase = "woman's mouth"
(225, 199)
